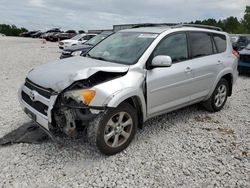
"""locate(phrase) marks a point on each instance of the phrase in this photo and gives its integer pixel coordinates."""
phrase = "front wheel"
(112, 131)
(219, 97)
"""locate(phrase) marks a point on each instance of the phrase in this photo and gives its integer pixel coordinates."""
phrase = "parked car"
(49, 32)
(27, 34)
(241, 42)
(234, 39)
(2, 35)
(129, 77)
(82, 49)
(37, 34)
(244, 62)
(52, 36)
(76, 40)
(66, 35)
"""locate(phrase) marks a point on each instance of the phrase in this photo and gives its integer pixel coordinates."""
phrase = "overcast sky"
(102, 14)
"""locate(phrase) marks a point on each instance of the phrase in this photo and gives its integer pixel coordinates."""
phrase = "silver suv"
(129, 77)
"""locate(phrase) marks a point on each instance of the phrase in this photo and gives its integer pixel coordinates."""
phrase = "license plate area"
(30, 114)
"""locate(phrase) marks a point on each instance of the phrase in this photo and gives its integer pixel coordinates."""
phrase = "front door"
(169, 87)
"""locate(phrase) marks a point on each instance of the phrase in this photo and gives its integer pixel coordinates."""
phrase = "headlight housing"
(66, 52)
(84, 96)
(76, 53)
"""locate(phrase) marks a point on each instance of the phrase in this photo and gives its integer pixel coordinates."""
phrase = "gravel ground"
(186, 148)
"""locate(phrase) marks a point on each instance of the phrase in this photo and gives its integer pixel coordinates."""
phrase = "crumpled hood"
(62, 73)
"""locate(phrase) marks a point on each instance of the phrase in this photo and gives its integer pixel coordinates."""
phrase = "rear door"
(206, 62)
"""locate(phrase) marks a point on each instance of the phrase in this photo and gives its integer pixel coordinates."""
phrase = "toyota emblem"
(32, 95)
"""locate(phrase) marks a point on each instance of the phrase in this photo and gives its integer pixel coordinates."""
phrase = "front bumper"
(38, 117)
(65, 56)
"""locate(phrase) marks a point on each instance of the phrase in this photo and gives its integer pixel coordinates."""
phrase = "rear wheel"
(219, 97)
(113, 131)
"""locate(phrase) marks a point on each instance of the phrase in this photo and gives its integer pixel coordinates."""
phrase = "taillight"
(236, 54)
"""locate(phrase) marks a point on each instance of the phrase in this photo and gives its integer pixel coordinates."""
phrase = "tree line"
(11, 30)
(231, 25)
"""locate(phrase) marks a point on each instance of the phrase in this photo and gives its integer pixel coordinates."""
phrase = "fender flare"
(218, 78)
(120, 96)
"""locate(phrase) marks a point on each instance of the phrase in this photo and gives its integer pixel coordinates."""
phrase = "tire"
(220, 94)
(112, 131)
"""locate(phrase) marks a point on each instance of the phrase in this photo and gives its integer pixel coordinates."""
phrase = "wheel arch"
(136, 99)
(229, 78)
(226, 74)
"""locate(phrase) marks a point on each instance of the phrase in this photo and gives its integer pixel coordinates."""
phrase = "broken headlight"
(84, 96)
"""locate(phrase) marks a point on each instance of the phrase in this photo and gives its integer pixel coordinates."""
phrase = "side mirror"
(162, 61)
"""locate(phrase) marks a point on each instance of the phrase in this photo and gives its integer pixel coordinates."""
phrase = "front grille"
(245, 58)
(66, 53)
(42, 91)
(40, 107)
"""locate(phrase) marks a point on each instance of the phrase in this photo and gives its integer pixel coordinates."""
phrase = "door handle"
(219, 62)
(188, 69)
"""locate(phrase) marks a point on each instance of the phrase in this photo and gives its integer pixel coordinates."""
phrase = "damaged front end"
(72, 111)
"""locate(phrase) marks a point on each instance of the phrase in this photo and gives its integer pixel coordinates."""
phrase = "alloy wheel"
(220, 96)
(118, 129)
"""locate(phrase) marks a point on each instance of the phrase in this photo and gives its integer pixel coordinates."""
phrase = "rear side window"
(201, 44)
(220, 42)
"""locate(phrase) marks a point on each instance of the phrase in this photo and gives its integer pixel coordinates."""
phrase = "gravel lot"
(186, 148)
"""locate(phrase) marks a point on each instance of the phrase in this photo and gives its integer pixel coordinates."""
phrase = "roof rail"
(153, 25)
(198, 26)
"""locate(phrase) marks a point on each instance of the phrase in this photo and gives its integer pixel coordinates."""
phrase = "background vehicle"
(129, 77)
(52, 36)
(82, 49)
(78, 39)
(66, 35)
(241, 42)
(46, 34)
(37, 34)
(2, 35)
(244, 61)
(27, 34)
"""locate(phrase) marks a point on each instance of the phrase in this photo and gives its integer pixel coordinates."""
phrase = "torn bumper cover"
(39, 104)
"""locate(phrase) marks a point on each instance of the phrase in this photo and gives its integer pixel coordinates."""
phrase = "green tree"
(246, 19)
(231, 24)
(11, 30)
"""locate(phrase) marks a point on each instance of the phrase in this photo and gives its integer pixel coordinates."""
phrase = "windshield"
(234, 39)
(96, 39)
(123, 47)
(77, 37)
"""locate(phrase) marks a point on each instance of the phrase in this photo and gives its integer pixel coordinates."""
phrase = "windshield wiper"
(89, 44)
(99, 58)
(87, 55)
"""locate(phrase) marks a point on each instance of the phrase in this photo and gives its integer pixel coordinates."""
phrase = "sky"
(103, 14)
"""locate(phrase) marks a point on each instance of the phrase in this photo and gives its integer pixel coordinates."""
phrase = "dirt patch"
(205, 119)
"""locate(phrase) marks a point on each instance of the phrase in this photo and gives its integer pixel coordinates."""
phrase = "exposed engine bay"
(71, 113)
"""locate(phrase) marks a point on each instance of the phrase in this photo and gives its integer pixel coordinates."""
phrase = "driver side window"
(174, 46)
